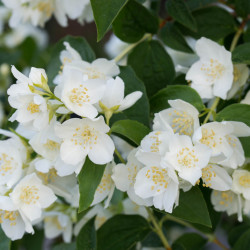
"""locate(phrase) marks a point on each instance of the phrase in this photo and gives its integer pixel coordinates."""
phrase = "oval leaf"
(86, 239)
(132, 130)
(105, 13)
(122, 232)
(241, 54)
(160, 100)
(89, 179)
(153, 66)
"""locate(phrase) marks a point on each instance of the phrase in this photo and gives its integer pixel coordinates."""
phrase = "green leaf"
(140, 110)
(86, 239)
(190, 241)
(212, 22)
(4, 241)
(242, 7)
(160, 100)
(197, 4)
(173, 38)
(122, 232)
(133, 22)
(241, 54)
(77, 43)
(192, 207)
(236, 232)
(235, 112)
(105, 13)
(241, 113)
(178, 9)
(152, 65)
(65, 246)
(89, 179)
(243, 242)
(132, 130)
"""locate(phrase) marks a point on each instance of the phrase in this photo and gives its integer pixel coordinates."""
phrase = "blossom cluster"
(41, 159)
(58, 130)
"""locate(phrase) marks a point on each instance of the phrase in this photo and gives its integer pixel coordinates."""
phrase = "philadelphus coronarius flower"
(212, 75)
(38, 12)
(182, 117)
(82, 137)
(246, 100)
(30, 196)
(31, 108)
(241, 183)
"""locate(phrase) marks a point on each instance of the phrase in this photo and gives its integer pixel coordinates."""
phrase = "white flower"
(13, 155)
(182, 117)
(241, 73)
(79, 94)
(13, 223)
(124, 178)
(227, 201)
(87, 14)
(113, 98)
(160, 184)
(246, 100)
(30, 196)
(221, 137)
(46, 143)
(186, 159)
(241, 183)
(212, 75)
(216, 177)
(57, 223)
(106, 187)
(31, 108)
(82, 137)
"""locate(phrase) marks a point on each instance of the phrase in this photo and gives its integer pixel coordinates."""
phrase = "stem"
(158, 229)
(130, 47)
(213, 107)
(119, 156)
(237, 35)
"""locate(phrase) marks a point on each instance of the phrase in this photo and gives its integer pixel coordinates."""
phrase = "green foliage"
(65, 246)
(89, 179)
(243, 241)
(86, 239)
(4, 241)
(133, 22)
(130, 129)
(241, 54)
(152, 65)
(209, 18)
(192, 207)
(173, 38)
(236, 233)
(242, 7)
(105, 14)
(77, 43)
(160, 100)
(178, 9)
(140, 110)
(122, 232)
(189, 241)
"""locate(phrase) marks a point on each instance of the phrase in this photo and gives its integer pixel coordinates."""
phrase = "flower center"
(105, 183)
(182, 123)
(46, 8)
(132, 173)
(159, 176)
(244, 181)
(208, 138)
(7, 164)
(85, 137)
(207, 175)
(79, 95)
(154, 148)
(52, 145)
(29, 194)
(8, 215)
(214, 70)
(48, 177)
(33, 108)
(187, 158)
(226, 198)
